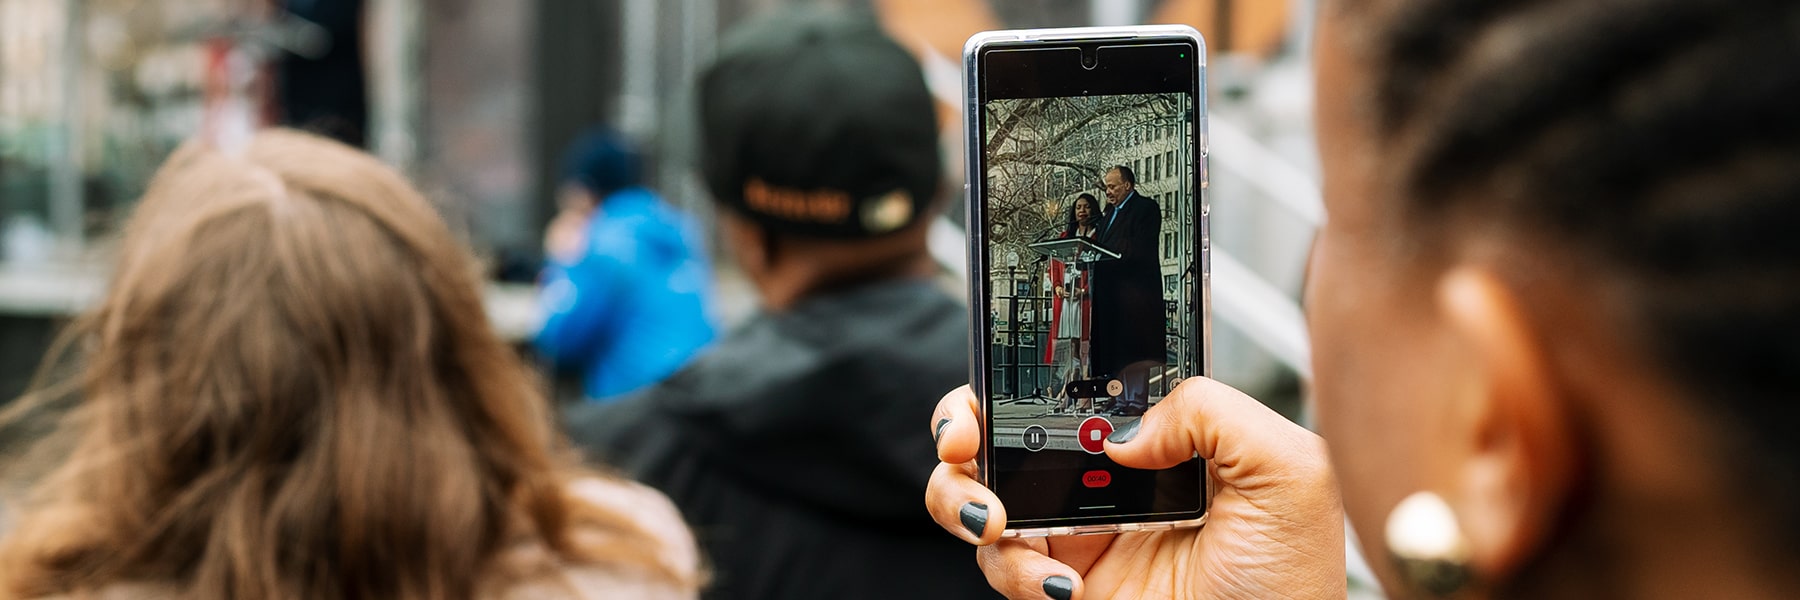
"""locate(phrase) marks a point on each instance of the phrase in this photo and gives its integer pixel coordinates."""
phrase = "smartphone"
(1087, 219)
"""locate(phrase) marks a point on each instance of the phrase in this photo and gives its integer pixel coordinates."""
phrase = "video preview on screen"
(1092, 259)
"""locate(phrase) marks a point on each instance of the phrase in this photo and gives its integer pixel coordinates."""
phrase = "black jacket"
(1128, 320)
(798, 448)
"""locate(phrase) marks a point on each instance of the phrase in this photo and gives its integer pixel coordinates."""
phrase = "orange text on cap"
(825, 206)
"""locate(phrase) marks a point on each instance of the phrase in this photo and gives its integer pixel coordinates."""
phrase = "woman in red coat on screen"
(1068, 344)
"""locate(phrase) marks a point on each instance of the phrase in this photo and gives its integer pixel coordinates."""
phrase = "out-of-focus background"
(475, 100)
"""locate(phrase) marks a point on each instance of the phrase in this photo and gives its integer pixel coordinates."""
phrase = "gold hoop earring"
(1427, 544)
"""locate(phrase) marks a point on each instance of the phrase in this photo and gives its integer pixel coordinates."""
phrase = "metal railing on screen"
(1024, 368)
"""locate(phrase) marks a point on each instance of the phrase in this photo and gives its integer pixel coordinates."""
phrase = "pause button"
(1035, 438)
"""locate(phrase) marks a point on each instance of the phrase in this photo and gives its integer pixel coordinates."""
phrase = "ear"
(1519, 462)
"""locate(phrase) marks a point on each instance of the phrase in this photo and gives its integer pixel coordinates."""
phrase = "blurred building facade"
(475, 99)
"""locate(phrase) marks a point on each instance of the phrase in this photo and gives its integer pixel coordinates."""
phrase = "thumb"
(1244, 440)
(1157, 440)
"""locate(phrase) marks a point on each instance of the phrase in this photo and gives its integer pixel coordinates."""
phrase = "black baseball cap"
(814, 122)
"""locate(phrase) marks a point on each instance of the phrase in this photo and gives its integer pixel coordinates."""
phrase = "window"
(1169, 159)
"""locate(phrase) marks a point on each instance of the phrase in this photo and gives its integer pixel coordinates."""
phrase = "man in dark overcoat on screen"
(1127, 291)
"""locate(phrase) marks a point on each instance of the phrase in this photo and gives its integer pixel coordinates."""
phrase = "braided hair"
(1655, 139)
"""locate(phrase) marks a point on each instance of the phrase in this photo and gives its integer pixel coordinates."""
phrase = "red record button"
(1096, 479)
(1092, 434)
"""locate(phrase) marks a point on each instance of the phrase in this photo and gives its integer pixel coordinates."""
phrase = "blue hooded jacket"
(633, 309)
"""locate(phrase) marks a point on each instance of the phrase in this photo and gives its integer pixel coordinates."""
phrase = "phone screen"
(1091, 290)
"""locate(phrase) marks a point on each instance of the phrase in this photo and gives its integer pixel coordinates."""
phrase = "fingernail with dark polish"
(1059, 587)
(974, 517)
(1124, 434)
(939, 433)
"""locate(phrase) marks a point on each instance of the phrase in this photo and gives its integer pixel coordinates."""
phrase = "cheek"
(1370, 361)
(1336, 319)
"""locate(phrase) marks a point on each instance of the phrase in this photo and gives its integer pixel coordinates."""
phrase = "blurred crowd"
(351, 424)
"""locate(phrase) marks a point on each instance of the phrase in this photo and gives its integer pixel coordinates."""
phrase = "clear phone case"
(979, 283)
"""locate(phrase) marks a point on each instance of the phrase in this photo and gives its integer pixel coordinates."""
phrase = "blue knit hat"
(603, 161)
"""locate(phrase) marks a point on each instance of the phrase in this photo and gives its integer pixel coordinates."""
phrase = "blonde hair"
(291, 390)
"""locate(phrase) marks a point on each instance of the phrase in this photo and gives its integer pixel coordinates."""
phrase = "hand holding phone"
(1088, 267)
(1275, 528)
(1102, 132)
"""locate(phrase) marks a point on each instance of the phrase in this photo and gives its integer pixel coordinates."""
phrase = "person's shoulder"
(641, 207)
(633, 497)
(873, 308)
(634, 199)
(932, 320)
(123, 591)
(652, 511)
(599, 583)
(602, 428)
(595, 583)
(658, 517)
(645, 431)
(653, 515)
(1143, 209)
(627, 407)
(626, 211)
